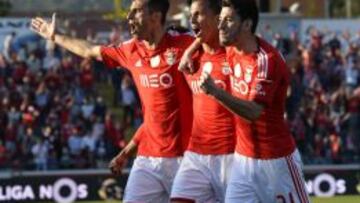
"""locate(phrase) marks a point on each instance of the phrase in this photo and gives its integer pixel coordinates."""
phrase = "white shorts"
(150, 180)
(275, 180)
(202, 178)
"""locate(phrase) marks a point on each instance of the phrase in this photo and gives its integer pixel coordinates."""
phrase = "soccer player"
(204, 170)
(151, 56)
(267, 165)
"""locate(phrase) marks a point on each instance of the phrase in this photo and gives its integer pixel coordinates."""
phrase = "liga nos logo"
(64, 190)
(326, 185)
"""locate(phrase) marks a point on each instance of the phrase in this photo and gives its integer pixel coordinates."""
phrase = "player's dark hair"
(245, 9)
(161, 6)
(214, 5)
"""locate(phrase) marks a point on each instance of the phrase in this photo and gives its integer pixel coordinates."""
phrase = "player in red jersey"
(204, 170)
(267, 166)
(151, 56)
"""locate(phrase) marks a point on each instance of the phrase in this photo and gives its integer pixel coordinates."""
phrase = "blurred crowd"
(323, 102)
(52, 116)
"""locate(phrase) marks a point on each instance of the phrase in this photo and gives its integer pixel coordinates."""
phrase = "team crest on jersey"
(155, 61)
(248, 74)
(170, 57)
(226, 70)
(207, 68)
(237, 71)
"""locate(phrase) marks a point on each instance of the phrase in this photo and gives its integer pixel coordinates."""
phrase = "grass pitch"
(340, 199)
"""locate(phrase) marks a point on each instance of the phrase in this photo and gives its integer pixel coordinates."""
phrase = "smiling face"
(229, 26)
(203, 20)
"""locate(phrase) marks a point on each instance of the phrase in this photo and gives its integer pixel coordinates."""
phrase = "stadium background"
(62, 118)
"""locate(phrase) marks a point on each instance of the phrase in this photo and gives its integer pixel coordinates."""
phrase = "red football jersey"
(213, 126)
(262, 77)
(166, 98)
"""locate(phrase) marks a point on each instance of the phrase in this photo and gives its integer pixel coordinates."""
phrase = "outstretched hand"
(44, 28)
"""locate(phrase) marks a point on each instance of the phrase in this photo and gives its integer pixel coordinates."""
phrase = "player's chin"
(134, 32)
(224, 41)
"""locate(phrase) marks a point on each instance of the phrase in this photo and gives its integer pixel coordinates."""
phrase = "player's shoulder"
(124, 44)
(180, 35)
(269, 52)
(271, 60)
(179, 31)
(127, 46)
(128, 42)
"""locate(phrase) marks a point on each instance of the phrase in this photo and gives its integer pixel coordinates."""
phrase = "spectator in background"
(86, 77)
(34, 63)
(8, 46)
(40, 152)
(128, 100)
(3, 158)
(34, 100)
(50, 61)
(114, 132)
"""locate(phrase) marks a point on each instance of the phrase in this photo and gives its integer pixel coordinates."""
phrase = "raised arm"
(78, 46)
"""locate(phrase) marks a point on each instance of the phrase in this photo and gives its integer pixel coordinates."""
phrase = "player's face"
(229, 26)
(138, 18)
(203, 21)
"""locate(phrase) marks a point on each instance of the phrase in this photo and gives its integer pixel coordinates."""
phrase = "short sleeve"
(269, 77)
(114, 56)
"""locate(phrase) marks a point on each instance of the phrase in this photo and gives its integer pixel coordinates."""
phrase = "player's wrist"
(215, 92)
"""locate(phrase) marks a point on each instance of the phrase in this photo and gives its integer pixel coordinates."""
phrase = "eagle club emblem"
(248, 74)
(226, 70)
(170, 57)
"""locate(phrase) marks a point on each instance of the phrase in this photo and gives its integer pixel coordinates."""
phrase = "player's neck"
(247, 44)
(154, 38)
(212, 46)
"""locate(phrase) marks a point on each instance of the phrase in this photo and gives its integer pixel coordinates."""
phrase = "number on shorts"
(282, 198)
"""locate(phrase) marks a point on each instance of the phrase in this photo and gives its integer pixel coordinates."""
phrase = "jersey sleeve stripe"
(266, 63)
(260, 65)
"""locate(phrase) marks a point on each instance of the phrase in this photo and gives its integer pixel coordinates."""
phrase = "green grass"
(341, 199)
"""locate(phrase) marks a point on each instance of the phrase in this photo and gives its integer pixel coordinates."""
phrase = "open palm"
(44, 28)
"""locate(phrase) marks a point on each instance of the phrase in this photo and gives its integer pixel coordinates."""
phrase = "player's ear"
(247, 24)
